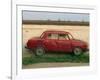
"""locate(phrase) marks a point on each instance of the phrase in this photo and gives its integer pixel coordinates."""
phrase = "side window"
(52, 36)
(63, 37)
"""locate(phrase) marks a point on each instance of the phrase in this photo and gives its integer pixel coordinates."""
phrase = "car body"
(54, 40)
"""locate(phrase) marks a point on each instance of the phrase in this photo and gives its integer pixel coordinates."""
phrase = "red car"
(59, 41)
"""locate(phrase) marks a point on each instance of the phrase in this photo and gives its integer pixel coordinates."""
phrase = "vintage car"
(57, 41)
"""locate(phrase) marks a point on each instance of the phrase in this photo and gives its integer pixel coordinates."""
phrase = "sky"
(37, 15)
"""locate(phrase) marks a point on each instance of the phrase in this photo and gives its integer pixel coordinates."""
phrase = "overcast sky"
(33, 15)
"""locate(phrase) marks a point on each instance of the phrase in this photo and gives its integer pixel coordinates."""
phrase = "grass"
(46, 58)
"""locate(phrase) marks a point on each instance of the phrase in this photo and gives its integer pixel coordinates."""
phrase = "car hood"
(35, 38)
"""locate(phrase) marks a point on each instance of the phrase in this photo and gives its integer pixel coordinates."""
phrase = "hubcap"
(77, 51)
(39, 51)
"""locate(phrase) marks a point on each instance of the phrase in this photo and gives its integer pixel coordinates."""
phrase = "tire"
(77, 51)
(39, 51)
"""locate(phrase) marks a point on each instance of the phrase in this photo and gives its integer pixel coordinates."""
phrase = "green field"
(54, 57)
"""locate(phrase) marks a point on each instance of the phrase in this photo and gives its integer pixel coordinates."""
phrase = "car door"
(64, 43)
(51, 42)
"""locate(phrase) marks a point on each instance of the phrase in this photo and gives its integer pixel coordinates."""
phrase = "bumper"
(26, 47)
(85, 49)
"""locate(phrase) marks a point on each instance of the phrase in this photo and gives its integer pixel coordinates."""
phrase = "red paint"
(56, 41)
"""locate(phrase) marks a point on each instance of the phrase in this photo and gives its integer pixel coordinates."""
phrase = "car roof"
(55, 31)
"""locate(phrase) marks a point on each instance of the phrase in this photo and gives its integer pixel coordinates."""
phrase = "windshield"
(42, 35)
(70, 36)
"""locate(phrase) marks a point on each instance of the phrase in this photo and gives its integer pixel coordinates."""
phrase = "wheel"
(77, 51)
(39, 51)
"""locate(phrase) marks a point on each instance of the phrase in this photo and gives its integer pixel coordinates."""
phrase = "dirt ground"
(50, 65)
(78, 32)
(29, 31)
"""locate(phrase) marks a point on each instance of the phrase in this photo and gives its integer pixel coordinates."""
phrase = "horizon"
(54, 16)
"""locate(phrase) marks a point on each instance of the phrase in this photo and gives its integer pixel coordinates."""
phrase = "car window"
(42, 35)
(63, 37)
(52, 36)
(70, 36)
